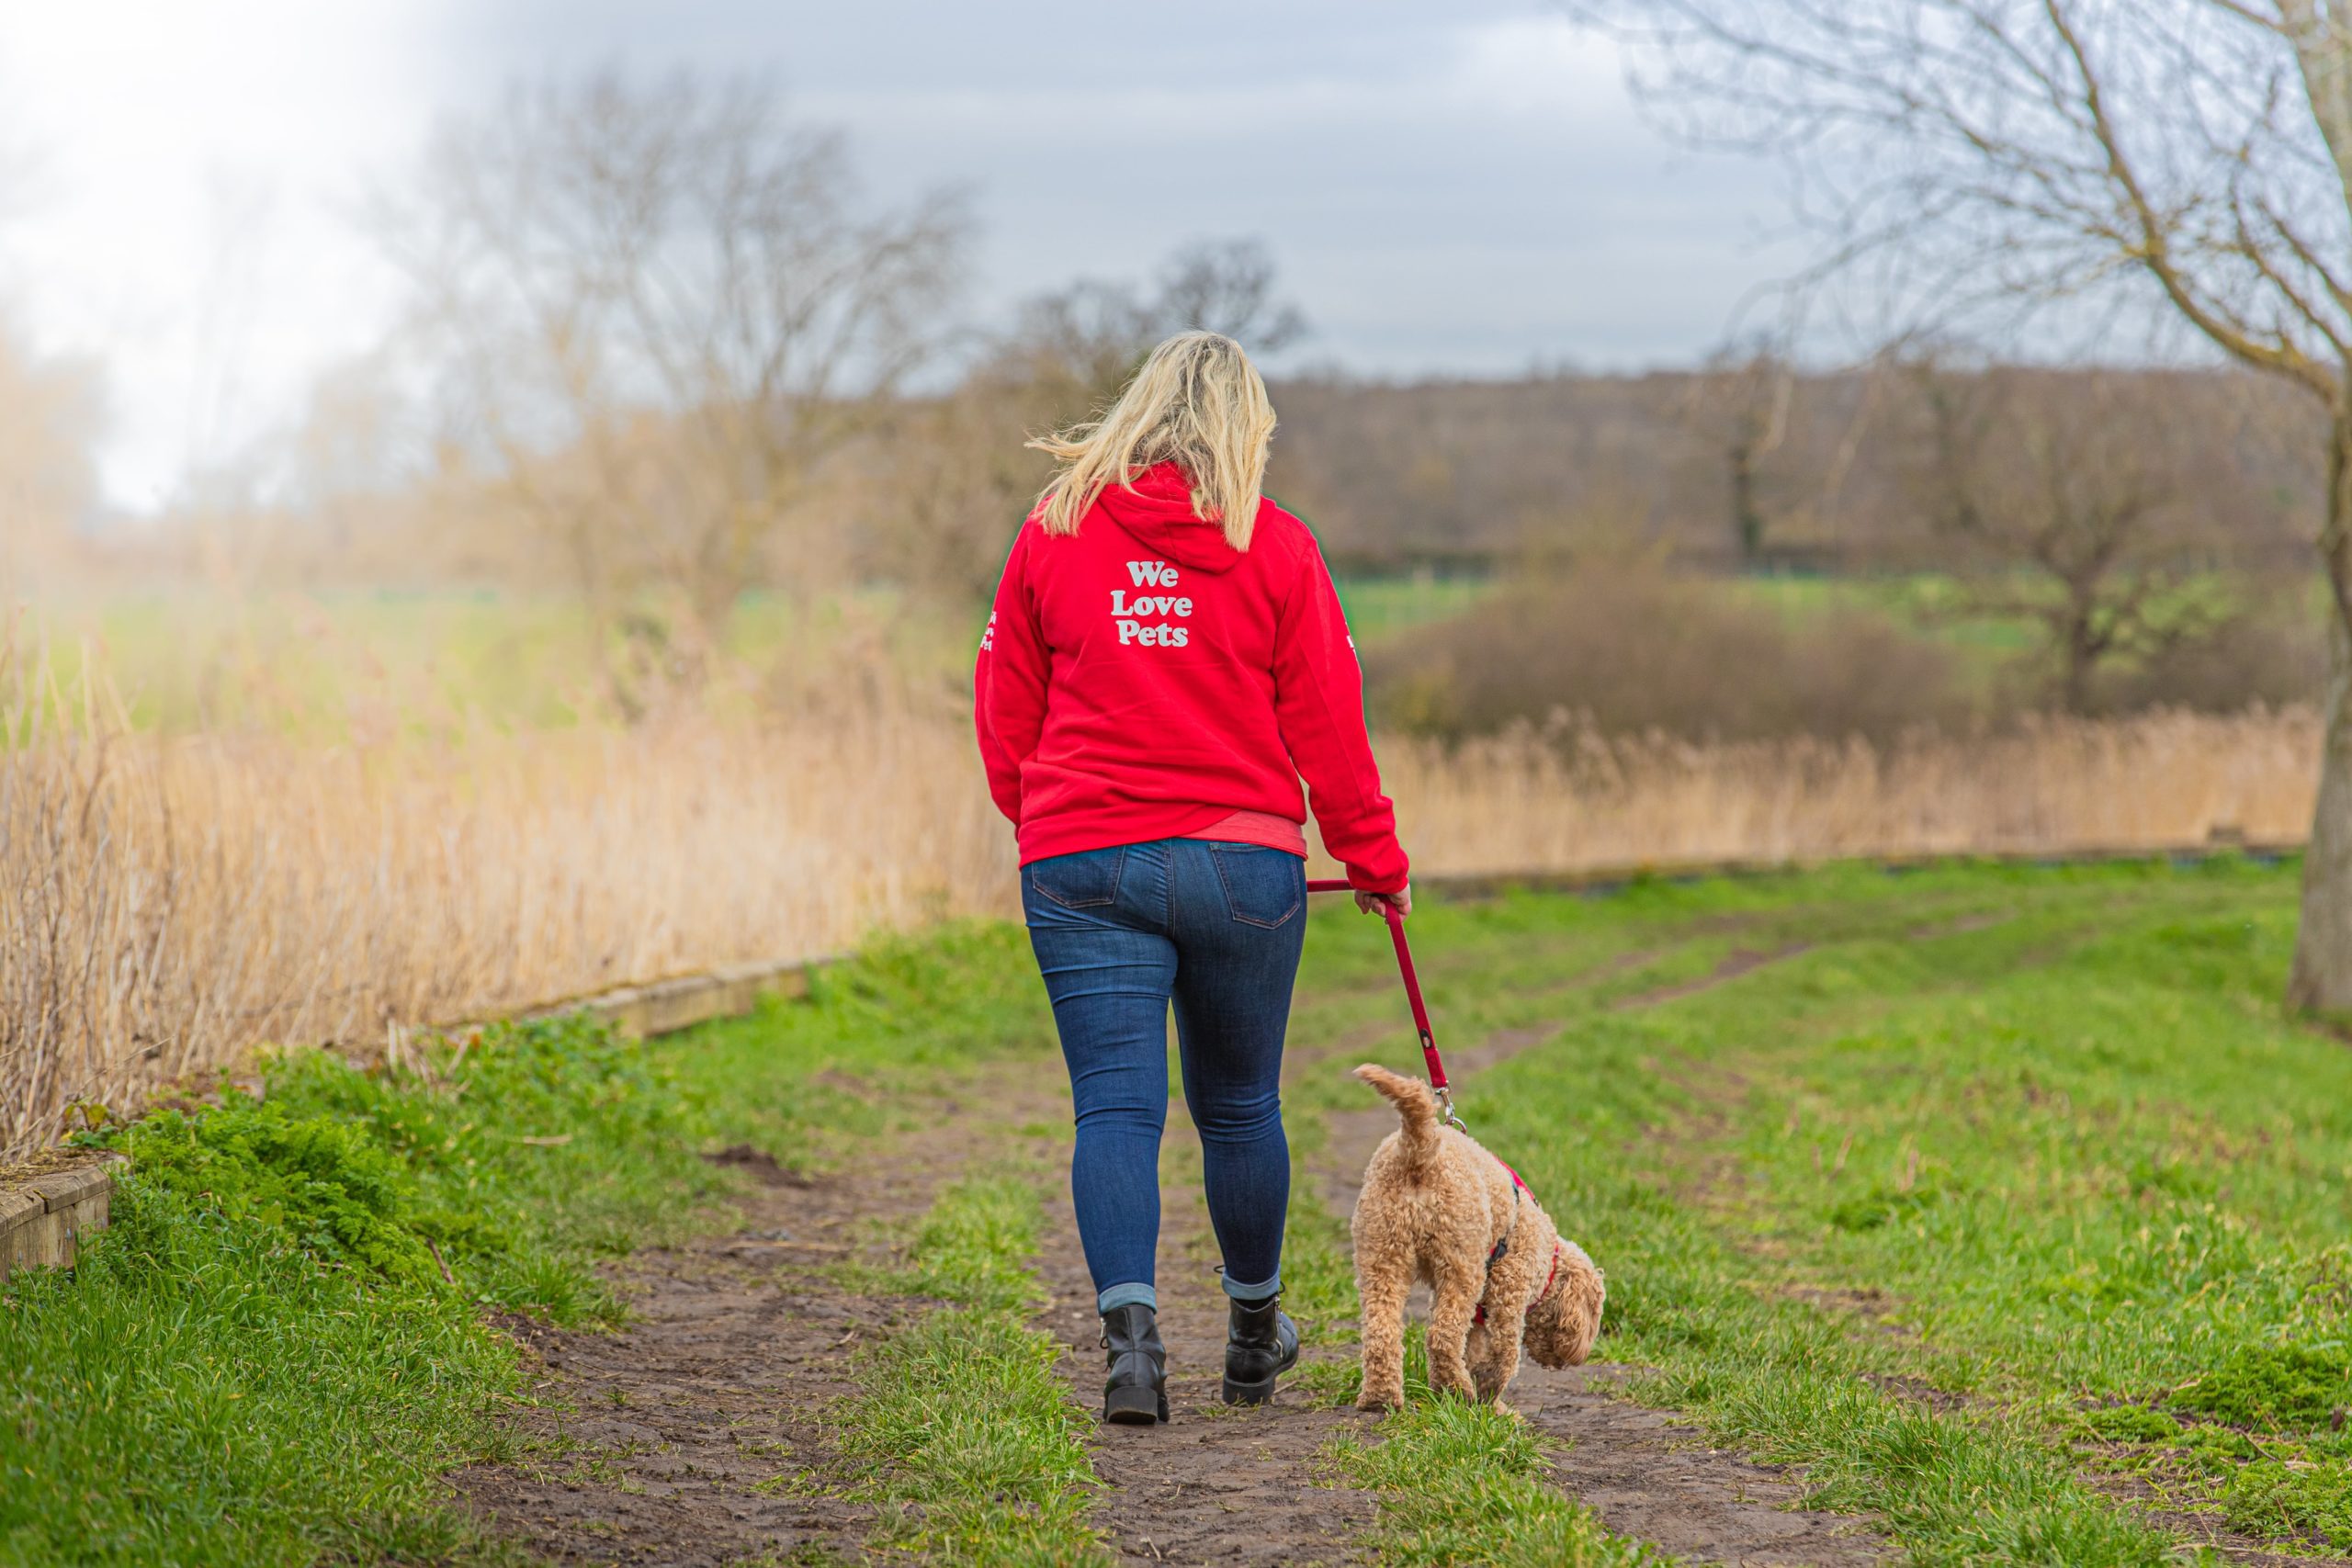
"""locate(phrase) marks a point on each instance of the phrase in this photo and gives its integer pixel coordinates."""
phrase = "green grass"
(187, 659)
(970, 1439)
(262, 1361)
(1461, 1482)
(2038, 1143)
(815, 1081)
(1378, 606)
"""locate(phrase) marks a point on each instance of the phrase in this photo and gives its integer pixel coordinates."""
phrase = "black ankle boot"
(1135, 1394)
(1260, 1344)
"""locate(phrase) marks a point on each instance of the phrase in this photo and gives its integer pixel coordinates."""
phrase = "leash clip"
(1445, 1105)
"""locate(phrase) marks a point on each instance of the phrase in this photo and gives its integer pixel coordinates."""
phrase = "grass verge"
(970, 1439)
(284, 1342)
(279, 1348)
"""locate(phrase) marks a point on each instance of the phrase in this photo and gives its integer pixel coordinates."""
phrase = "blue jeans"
(1119, 933)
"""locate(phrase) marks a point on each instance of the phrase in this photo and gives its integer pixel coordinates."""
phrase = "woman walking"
(1165, 661)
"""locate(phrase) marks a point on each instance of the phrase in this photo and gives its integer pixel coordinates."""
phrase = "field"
(2001, 1204)
(187, 658)
(334, 661)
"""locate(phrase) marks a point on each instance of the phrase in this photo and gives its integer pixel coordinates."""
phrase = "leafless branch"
(660, 310)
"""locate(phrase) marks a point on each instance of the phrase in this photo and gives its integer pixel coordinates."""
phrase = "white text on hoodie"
(1126, 612)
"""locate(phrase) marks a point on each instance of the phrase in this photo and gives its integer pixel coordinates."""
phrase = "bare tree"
(2191, 156)
(1083, 341)
(2068, 497)
(50, 420)
(1740, 409)
(960, 476)
(1226, 286)
(659, 310)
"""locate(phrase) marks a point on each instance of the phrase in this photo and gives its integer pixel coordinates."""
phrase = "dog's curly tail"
(1415, 1106)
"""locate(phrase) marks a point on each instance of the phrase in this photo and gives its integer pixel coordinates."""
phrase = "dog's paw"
(1380, 1403)
(1510, 1410)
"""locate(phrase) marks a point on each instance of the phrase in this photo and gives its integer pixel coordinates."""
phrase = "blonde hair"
(1197, 402)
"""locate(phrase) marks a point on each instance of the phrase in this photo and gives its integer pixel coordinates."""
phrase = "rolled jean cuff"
(1133, 1294)
(1252, 1292)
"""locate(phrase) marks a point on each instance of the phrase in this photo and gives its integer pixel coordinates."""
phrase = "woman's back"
(1141, 678)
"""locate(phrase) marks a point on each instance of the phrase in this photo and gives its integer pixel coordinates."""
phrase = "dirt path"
(679, 1440)
(691, 1437)
(679, 1436)
(1649, 1476)
(1738, 962)
(1217, 1484)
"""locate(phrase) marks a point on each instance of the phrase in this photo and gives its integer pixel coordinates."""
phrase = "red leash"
(1412, 994)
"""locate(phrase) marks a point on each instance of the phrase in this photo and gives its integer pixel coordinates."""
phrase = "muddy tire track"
(1736, 964)
(1651, 1476)
(693, 1436)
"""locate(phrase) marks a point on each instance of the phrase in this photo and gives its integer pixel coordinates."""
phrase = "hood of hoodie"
(1158, 511)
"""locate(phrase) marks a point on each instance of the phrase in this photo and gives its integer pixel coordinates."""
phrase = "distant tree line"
(1885, 468)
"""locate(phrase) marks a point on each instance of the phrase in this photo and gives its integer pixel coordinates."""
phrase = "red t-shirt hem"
(1045, 838)
(1263, 828)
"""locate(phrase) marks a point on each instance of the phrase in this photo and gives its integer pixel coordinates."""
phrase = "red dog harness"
(1502, 1247)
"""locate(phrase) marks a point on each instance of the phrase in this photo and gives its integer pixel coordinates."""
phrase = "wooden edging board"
(42, 1218)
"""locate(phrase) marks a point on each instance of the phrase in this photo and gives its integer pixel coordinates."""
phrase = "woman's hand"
(1402, 899)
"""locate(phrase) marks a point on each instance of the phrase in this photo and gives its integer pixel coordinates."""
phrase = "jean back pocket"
(1262, 886)
(1087, 880)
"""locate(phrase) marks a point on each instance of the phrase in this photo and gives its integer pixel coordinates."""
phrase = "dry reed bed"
(165, 904)
(2163, 780)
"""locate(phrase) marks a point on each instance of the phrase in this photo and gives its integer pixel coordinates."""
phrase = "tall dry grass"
(2162, 780)
(167, 902)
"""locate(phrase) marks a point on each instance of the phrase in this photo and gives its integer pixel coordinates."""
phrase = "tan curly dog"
(1437, 1207)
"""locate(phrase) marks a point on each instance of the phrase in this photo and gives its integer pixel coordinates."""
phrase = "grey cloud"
(1424, 228)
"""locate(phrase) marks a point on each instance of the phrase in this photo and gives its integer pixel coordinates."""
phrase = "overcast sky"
(1448, 186)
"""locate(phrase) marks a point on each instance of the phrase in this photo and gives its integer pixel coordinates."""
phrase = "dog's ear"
(1563, 1322)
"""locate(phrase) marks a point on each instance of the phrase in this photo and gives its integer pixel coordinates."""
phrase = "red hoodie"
(1142, 679)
